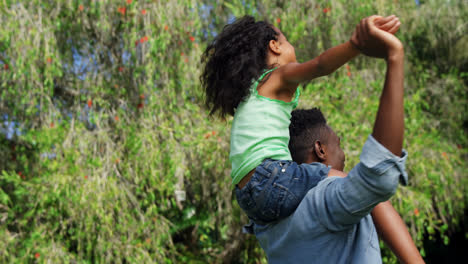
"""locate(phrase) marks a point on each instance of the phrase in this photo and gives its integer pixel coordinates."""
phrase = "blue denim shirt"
(332, 223)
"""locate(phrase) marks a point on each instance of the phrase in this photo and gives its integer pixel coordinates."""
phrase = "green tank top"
(260, 130)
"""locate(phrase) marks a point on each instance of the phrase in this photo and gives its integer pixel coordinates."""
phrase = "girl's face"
(287, 50)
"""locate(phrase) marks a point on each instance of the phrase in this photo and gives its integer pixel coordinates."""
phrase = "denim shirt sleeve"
(339, 202)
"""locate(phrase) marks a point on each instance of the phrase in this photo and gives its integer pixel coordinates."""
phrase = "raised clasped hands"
(374, 37)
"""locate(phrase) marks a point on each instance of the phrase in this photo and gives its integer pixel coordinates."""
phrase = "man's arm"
(388, 131)
(392, 230)
(394, 233)
(389, 124)
(375, 178)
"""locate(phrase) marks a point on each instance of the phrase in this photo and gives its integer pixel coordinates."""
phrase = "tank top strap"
(266, 72)
(295, 100)
(254, 86)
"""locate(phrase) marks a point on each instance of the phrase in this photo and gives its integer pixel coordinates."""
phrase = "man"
(332, 224)
(312, 140)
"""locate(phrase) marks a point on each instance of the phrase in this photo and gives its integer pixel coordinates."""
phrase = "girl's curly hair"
(235, 58)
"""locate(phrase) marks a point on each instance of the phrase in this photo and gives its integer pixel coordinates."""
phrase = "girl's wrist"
(354, 47)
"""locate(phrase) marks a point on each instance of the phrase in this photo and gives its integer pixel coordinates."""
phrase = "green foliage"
(117, 160)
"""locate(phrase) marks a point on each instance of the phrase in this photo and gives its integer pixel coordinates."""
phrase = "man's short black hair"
(307, 126)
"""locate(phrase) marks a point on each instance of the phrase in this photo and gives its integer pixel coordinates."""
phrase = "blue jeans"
(277, 187)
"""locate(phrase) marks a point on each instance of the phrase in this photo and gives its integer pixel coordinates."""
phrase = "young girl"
(251, 73)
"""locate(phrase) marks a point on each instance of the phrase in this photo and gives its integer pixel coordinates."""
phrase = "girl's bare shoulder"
(275, 87)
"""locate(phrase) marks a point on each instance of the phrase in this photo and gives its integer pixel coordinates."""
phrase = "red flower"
(445, 155)
(21, 175)
(122, 10)
(86, 177)
(140, 106)
(142, 96)
(213, 133)
(278, 20)
(37, 255)
(166, 27)
(129, 1)
(6, 67)
(192, 38)
(326, 10)
(136, 42)
(117, 160)
(144, 39)
(186, 60)
(49, 60)
(52, 125)
(116, 118)
(207, 135)
(182, 54)
(143, 12)
(416, 212)
(90, 103)
(121, 69)
(81, 7)
(348, 73)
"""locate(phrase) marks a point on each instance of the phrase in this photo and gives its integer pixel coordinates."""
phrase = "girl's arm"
(324, 64)
(330, 60)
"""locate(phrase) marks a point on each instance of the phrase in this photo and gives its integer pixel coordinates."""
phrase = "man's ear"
(320, 151)
(274, 47)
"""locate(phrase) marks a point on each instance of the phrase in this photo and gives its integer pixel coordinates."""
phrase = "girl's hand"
(391, 24)
(375, 42)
